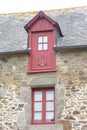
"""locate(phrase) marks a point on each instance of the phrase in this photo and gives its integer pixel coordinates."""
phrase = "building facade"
(57, 99)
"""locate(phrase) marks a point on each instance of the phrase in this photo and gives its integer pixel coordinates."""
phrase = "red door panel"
(42, 57)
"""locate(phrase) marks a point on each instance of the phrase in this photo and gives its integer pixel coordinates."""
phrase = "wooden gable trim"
(42, 15)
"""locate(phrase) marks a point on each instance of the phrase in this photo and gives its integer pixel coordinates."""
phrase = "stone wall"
(70, 92)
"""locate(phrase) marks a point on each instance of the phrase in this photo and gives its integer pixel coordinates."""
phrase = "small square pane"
(50, 95)
(45, 39)
(37, 96)
(40, 47)
(39, 39)
(45, 46)
(49, 116)
(37, 116)
(49, 106)
(38, 106)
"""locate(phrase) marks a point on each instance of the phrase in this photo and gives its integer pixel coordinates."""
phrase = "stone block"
(21, 121)
(28, 113)
(47, 127)
(60, 91)
(24, 94)
(42, 81)
(2, 93)
(67, 125)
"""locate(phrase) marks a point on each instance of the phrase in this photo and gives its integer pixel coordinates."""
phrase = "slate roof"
(73, 24)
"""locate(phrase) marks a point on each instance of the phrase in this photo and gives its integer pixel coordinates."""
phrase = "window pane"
(49, 106)
(39, 39)
(45, 46)
(38, 106)
(45, 39)
(50, 95)
(39, 46)
(37, 116)
(37, 96)
(49, 116)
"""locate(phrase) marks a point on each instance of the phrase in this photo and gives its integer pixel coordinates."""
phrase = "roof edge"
(42, 15)
(56, 48)
(22, 13)
(26, 51)
(73, 47)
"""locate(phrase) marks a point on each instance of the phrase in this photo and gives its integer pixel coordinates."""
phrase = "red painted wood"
(39, 16)
(48, 56)
(41, 25)
(43, 121)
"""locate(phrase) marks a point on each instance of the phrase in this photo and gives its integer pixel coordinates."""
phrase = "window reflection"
(38, 106)
(37, 116)
(49, 116)
(49, 106)
(50, 95)
(38, 96)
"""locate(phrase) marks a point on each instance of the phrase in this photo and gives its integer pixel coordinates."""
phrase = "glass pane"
(37, 116)
(45, 39)
(49, 116)
(39, 39)
(45, 47)
(50, 95)
(50, 106)
(38, 106)
(39, 46)
(37, 96)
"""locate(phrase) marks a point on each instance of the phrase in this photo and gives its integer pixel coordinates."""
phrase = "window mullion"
(44, 106)
(42, 42)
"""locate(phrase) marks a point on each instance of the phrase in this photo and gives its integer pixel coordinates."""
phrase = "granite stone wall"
(70, 82)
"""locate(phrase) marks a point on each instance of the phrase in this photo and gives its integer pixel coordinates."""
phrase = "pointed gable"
(42, 22)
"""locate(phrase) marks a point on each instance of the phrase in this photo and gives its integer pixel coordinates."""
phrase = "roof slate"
(73, 24)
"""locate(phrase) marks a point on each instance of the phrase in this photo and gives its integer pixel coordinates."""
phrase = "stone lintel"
(44, 81)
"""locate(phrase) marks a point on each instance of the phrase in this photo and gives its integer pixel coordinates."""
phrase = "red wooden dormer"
(41, 39)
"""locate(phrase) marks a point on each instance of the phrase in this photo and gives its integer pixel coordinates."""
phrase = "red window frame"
(43, 102)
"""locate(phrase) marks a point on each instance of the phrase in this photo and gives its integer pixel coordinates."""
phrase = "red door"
(42, 57)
